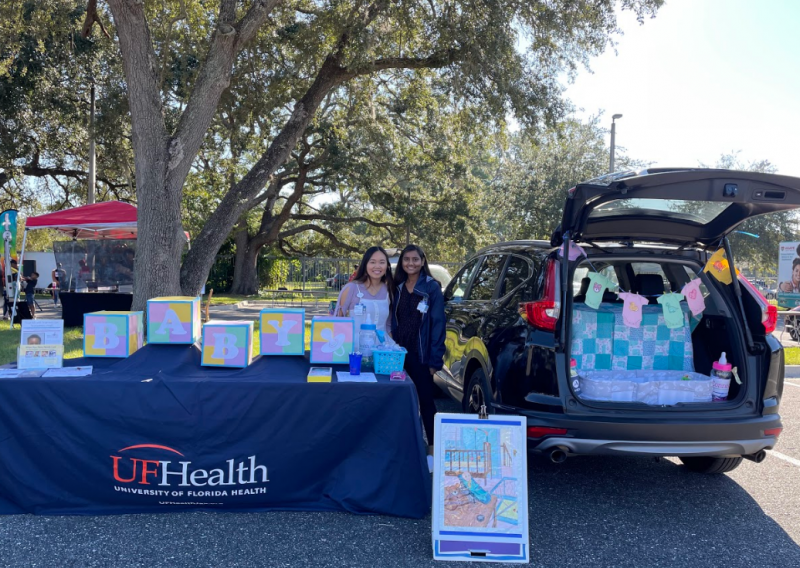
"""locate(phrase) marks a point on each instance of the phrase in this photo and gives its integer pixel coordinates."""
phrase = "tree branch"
(91, 18)
(433, 61)
(227, 41)
(303, 228)
(334, 219)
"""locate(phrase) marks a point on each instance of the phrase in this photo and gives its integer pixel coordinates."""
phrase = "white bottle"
(721, 372)
(367, 339)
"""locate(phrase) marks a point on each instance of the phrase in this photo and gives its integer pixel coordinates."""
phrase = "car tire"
(770, 296)
(708, 464)
(477, 393)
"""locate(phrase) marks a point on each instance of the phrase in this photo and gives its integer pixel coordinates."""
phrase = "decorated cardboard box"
(112, 334)
(331, 339)
(283, 331)
(173, 319)
(227, 343)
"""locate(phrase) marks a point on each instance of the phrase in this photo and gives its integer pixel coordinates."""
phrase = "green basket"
(387, 362)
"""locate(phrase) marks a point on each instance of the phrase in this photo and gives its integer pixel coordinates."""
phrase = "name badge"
(359, 309)
(423, 307)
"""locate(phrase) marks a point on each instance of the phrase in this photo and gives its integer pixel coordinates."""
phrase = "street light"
(613, 134)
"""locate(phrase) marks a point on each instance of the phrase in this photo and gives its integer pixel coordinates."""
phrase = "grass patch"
(792, 355)
(73, 341)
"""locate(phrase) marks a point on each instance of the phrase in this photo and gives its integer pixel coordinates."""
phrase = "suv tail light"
(542, 431)
(769, 313)
(543, 314)
(771, 432)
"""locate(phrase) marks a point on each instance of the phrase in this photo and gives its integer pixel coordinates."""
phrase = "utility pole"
(613, 136)
(90, 193)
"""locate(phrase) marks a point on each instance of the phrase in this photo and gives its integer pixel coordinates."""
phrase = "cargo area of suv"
(647, 361)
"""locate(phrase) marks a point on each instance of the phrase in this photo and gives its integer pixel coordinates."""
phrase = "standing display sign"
(480, 489)
(789, 274)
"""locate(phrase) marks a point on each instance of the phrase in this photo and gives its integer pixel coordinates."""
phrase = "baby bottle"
(720, 378)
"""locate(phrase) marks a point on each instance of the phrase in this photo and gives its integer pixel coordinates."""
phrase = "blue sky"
(702, 79)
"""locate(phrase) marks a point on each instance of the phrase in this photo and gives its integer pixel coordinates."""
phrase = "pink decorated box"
(283, 331)
(173, 319)
(331, 339)
(112, 334)
(227, 343)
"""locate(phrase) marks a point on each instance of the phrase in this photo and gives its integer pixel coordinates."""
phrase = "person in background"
(372, 288)
(59, 275)
(353, 275)
(30, 291)
(84, 274)
(418, 324)
(792, 286)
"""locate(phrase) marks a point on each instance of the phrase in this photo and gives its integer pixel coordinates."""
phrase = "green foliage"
(46, 69)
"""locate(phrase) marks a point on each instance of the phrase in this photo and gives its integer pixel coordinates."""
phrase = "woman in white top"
(370, 292)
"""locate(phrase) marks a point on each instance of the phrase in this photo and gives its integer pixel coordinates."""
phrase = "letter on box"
(331, 340)
(283, 331)
(173, 319)
(112, 334)
(227, 343)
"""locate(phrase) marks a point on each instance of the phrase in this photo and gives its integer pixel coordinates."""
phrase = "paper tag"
(423, 307)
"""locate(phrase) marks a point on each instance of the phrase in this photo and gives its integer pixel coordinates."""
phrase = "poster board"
(480, 489)
(38, 332)
(789, 274)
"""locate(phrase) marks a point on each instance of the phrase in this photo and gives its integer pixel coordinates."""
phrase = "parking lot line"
(784, 457)
(787, 382)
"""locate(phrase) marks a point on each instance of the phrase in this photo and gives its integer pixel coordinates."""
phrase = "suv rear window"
(697, 211)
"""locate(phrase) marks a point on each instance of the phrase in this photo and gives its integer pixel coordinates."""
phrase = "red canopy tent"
(106, 220)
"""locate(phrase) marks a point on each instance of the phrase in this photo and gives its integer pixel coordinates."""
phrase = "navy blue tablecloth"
(157, 432)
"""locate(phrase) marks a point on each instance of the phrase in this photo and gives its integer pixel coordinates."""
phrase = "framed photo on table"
(480, 489)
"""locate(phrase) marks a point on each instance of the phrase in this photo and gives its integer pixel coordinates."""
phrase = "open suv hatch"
(531, 331)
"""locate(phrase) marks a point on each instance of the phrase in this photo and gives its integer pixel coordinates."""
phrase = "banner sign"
(480, 489)
(8, 230)
(156, 432)
(789, 274)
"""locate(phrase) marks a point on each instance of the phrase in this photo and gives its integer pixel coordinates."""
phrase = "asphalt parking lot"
(585, 512)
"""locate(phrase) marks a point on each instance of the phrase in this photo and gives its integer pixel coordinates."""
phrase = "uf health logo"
(166, 472)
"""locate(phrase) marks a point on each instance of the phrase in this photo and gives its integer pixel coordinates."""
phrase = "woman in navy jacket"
(418, 324)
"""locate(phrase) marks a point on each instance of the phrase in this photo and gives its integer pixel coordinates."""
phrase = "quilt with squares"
(602, 341)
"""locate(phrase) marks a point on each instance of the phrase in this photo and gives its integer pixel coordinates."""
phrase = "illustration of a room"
(480, 483)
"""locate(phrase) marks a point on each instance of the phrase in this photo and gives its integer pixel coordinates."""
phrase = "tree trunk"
(198, 262)
(160, 238)
(245, 272)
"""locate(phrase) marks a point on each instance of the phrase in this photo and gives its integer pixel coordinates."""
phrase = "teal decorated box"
(112, 334)
(173, 319)
(283, 331)
(331, 339)
(227, 343)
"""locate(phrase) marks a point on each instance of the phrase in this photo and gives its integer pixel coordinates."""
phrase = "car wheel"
(770, 296)
(477, 393)
(794, 334)
(708, 464)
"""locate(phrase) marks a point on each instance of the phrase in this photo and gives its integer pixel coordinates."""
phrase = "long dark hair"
(362, 276)
(400, 274)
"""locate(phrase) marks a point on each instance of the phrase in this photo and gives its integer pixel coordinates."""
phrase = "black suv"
(525, 334)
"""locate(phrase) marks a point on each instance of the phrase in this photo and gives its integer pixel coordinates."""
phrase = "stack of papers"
(345, 377)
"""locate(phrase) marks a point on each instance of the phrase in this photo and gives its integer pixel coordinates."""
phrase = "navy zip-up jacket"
(432, 328)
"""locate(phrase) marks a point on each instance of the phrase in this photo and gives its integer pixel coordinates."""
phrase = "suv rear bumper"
(648, 438)
(652, 448)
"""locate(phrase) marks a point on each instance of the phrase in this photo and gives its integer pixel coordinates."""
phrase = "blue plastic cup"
(355, 363)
